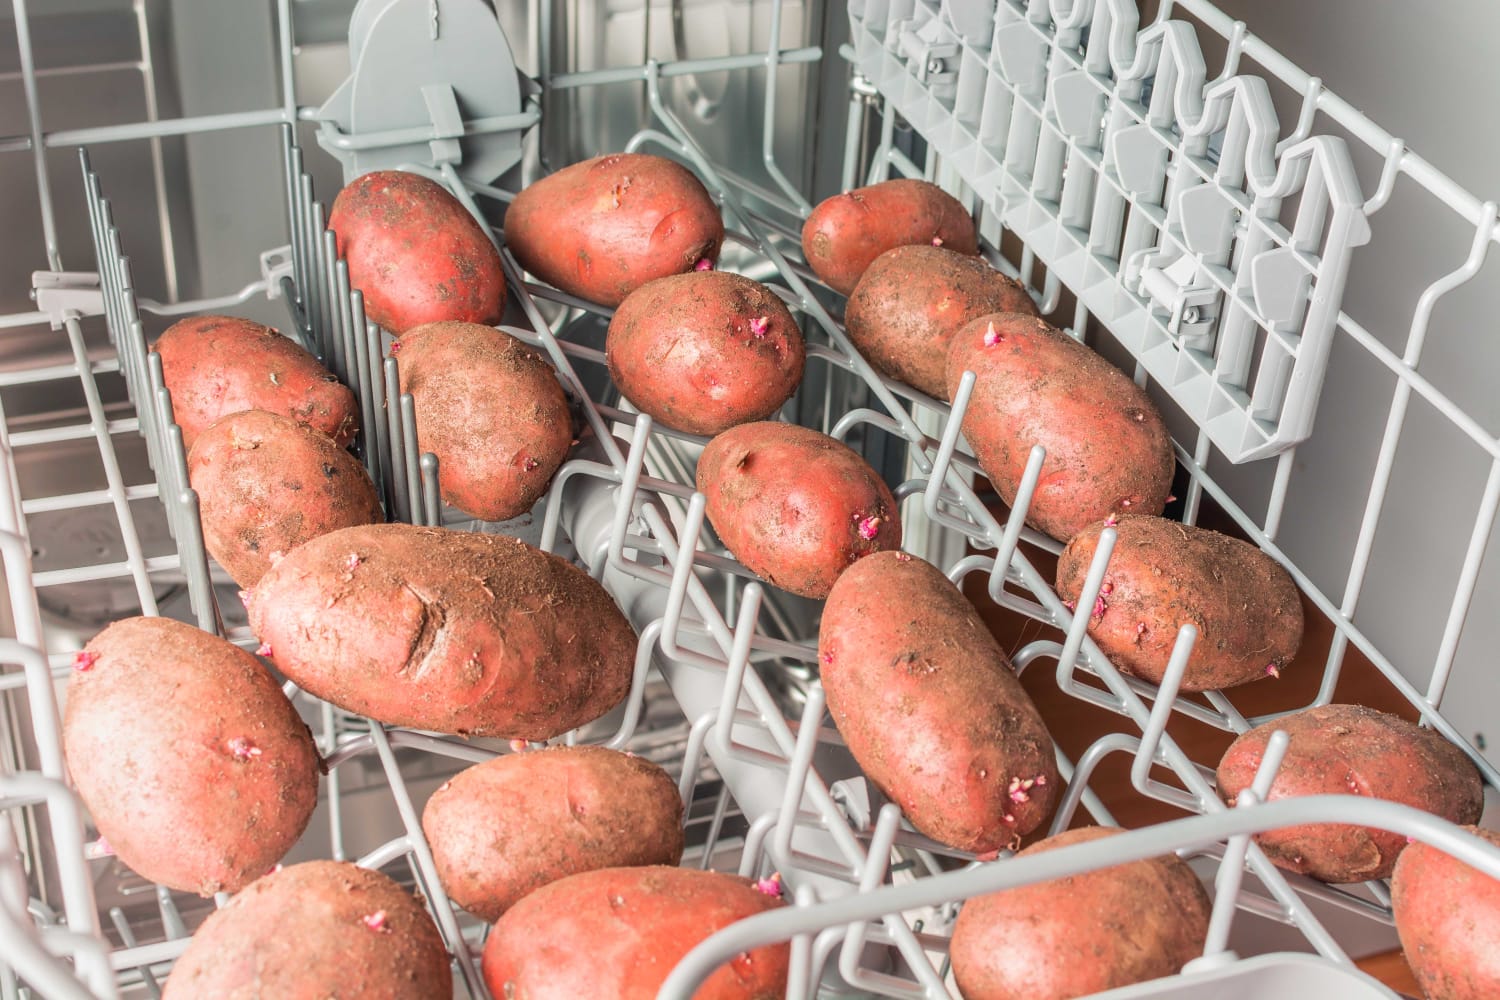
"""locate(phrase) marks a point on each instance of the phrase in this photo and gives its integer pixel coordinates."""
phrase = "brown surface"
(1390, 968)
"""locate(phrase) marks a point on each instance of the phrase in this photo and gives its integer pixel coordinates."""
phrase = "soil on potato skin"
(1446, 913)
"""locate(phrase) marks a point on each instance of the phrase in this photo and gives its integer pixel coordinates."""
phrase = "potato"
(312, 931)
(912, 300)
(1352, 750)
(794, 506)
(1108, 451)
(703, 351)
(1163, 575)
(618, 933)
(266, 484)
(415, 252)
(564, 810)
(194, 765)
(1448, 917)
(217, 365)
(927, 703)
(604, 227)
(1080, 935)
(845, 233)
(449, 631)
(491, 410)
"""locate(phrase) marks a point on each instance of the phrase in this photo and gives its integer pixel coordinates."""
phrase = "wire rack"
(1168, 207)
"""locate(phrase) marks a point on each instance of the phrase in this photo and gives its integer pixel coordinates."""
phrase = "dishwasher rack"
(1018, 114)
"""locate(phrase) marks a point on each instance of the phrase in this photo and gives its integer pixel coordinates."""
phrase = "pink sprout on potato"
(245, 598)
(264, 649)
(1272, 670)
(869, 527)
(902, 557)
(937, 241)
(993, 336)
(375, 921)
(529, 463)
(770, 886)
(704, 264)
(242, 748)
(84, 659)
(759, 325)
(352, 563)
(517, 745)
(828, 658)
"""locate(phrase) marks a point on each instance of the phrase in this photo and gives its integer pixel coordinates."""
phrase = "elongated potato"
(703, 351)
(1448, 917)
(928, 704)
(217, 365)
(1080, 935)
(266, 484)
(491, 410)
(1108, 451)
(795, 506)
(845, 233)
(415, 252)
(637, 923)
(463, 633)
(912, 300)
(601, 228)
(561, 811)
(194, 765)
(312, 931)
(1163, 575)
(1353, 750)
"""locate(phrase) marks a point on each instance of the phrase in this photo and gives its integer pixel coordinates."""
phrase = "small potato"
(1353, 750)
(794, 506)
(1108, 451)
(266, 484)
(560, 811)
(193, 764)
(703, 351)
(912, 300)
(415, 252)
(491, 410)
(1448, 917)
(845, 233)
(449, 631)
(618, 932)
(927, 703)
(217, 365)
(1080, 935)
(1163, 575)
(312, 931)
(604, 227)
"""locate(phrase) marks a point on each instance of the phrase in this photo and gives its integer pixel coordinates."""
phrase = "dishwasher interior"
(1174, 191)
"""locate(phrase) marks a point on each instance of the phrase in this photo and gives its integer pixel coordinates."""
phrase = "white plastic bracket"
(65, 295)
(275, 264)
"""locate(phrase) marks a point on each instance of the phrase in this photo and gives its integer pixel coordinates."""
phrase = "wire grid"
(816, 841)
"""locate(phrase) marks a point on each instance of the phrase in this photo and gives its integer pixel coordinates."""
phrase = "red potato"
(1163, 575)
(193, 764)
(507, 827)
(704, 351)
(845, 233)
(313, 931)
(415, 252)
(1081, 935)
(1108, 451)
(912, 300)
(927, 703)
(794, 506)
(618, 932)
(1448, 917)
(217, 365)
(442, 630)
(1353, 750)
(266, 484)
(604, 227)
(491, 410)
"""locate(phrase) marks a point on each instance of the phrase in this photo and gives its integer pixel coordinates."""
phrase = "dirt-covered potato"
(194, 765)
(1448, 917)
(1353, 750)
(491, 409)
(795, 506)
(703, 351)
(912, 300)
(601, 228)
(845, 233)
(451, 631)
(217, 365)
(1163, 575)
(1083, 934)
(415, 252)
(927, 703)
(1108, 451)
(561, 811)
(313, 931)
